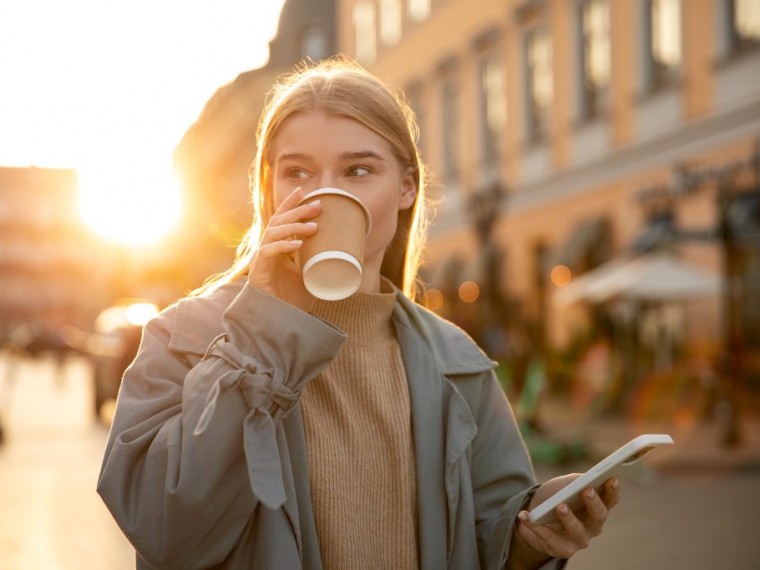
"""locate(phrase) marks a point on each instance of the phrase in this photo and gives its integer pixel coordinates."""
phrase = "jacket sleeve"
(193, 449)
(503, 477)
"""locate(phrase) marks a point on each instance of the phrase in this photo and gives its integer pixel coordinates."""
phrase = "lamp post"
(488, 317)
(484, 205)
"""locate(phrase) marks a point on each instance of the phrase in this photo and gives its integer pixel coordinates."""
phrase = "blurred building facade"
(565, 133)
(46, 252)
(214, 157)
(560, 135)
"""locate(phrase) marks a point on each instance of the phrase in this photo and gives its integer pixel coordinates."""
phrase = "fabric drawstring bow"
(269, 399)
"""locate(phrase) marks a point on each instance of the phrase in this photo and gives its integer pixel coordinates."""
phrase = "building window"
(595, 55)
(418, 10)
(365, 31)
(450, 128)
(314, 43)
(540, 84)
(493, 105)
(390, 21)
(745, 24)
(665, 41)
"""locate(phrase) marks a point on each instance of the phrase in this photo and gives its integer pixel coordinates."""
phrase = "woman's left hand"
(574, 531)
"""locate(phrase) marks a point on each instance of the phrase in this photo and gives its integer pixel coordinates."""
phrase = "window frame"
(538, 118)
(389, 19)
(492, 140)
(418, 10)
(593, 102)
(660, 75)
(738, 42)
(365, 39)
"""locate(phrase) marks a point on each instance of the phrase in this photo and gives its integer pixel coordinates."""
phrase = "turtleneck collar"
(364, 317)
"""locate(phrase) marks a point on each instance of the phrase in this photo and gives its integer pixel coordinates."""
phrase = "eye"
(358, 171)
(296, 173)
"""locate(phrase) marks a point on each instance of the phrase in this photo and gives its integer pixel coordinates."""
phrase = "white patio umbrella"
(652, 276)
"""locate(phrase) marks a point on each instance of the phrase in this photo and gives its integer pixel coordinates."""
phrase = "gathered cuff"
(269, 351)
(269, 400)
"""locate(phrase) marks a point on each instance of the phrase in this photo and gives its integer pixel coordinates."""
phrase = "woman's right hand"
(273, 268)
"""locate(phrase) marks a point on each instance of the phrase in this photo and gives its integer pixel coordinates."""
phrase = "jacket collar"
(454, 350)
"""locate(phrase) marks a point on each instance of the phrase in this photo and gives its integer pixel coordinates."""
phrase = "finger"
(291, 210)
(544, 538)
(611, 492)
(274, 249)
(291, 201)
(288, 232)
(527, 532)
(574, 528)
(596, 512)
(298, 214)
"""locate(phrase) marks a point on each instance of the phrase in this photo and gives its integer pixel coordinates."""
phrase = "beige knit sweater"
(359, 442)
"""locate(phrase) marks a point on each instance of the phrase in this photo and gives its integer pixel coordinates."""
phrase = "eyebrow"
(293, 156)
(348, 155)
(359, 154)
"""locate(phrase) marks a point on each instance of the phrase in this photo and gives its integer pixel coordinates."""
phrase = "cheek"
(384, 222)
(279, 193)
(278, 200)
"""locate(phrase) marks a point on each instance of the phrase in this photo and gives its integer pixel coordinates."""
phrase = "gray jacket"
(206, 465)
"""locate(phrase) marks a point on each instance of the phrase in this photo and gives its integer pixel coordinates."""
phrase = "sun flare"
(136, 210)
(118, 106)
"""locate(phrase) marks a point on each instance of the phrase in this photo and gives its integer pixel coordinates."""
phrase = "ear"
(408, 190)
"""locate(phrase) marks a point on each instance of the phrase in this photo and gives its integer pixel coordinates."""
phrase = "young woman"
(260, 427)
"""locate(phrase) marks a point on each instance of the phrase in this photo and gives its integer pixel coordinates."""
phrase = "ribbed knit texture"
(359, 442)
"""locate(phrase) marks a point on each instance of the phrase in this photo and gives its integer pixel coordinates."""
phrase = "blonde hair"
(342, 88)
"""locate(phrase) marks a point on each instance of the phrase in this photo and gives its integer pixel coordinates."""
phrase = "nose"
(327, 180)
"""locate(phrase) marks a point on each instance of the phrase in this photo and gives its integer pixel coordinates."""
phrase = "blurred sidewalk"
(690, 505)
(698, 442)
(51, 517)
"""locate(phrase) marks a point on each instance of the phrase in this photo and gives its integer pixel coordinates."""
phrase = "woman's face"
(317, 150)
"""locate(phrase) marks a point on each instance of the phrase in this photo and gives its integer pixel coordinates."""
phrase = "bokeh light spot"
(469, 291)
(432, 299)
(561, 275)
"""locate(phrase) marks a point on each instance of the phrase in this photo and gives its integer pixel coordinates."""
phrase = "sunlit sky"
(109, 88)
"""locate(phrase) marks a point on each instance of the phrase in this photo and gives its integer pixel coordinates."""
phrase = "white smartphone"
(611, 466)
